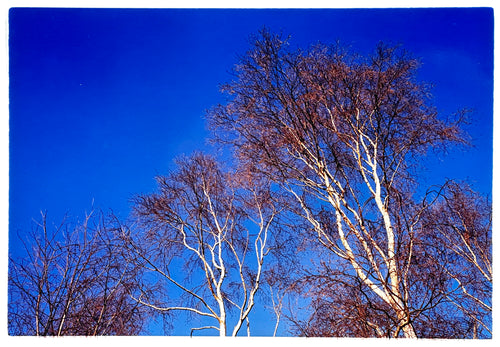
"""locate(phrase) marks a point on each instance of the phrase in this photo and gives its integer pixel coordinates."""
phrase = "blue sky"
(103, 100)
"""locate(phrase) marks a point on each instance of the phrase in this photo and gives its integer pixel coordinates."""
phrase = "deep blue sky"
(102, 100)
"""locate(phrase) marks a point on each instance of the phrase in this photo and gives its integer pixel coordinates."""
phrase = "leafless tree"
(457, 237)
(343, 134)
(324, 207)
(71, 283)
(204, 239)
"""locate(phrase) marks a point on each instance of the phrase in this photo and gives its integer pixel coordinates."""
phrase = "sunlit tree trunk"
(337, 131)
(212, 221)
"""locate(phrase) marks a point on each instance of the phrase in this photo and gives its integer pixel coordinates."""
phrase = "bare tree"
(457, 235)
(71, 283)
(204, 239)
(343, 135)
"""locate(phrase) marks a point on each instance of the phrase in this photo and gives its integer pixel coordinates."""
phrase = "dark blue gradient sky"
(102, 100)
